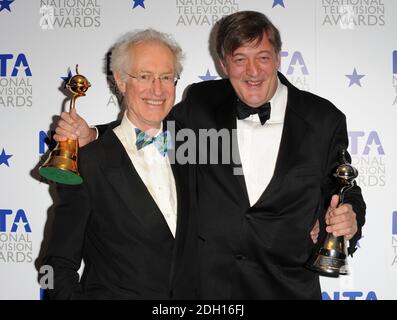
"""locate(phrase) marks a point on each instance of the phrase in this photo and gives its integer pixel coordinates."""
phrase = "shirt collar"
(129, 129)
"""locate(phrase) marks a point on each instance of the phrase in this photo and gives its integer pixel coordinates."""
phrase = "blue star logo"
(355, 78)
(4, 158)
(208, 76)
(278, 3)
(139, 3)
(5, 4)
(66, 78)
(19, 225)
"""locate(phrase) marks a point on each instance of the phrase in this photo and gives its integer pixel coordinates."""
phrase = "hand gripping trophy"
(61, 165)
(330, 260)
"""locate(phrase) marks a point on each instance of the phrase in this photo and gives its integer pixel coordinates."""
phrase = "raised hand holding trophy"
(331, 258)
(61, 165)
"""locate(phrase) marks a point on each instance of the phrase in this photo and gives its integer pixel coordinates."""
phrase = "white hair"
(120, 58)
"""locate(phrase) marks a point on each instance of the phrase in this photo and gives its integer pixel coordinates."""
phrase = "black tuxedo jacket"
(112, 223)
(259, 252)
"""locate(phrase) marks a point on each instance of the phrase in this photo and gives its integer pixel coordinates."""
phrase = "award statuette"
(61, 165)
(330, 260)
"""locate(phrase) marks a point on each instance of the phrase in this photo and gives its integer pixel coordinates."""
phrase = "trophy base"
(60, 175)
(329, 263)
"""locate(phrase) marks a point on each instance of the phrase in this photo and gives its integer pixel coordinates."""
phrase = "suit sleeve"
(65, 248)
(353, 196)
(101, 129)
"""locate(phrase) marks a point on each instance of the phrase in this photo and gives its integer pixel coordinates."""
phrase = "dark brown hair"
(244, 27)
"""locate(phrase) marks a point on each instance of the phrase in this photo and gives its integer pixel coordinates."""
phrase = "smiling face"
(148, 103)
(252, 71)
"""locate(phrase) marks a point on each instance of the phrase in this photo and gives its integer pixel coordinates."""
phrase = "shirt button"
(248, 216)
(240, 257)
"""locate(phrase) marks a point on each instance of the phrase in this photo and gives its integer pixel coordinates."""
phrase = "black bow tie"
(244, 111)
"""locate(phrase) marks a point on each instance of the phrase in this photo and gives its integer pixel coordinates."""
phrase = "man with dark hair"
(235, 30)
(256, 213)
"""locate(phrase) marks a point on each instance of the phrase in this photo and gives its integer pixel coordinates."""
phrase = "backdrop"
(343, 50)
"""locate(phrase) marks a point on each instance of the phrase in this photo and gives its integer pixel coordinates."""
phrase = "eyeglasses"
(148, 79)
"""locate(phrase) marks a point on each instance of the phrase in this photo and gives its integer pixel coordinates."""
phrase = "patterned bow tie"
(244, 111)
(162, 142)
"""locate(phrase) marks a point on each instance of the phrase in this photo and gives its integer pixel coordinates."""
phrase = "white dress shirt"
(154, 170)
(258, 145)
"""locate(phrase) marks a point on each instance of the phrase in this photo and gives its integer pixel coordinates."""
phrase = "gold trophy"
(330, 260)
(61, 165)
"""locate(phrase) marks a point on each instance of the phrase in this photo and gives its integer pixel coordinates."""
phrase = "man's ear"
(121, 85)
(278, 61)
(222, 63)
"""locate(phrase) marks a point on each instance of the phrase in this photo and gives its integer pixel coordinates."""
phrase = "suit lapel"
(225, 119)
(292, 137)
(294, 129)
(180, 173)
(123, 177)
